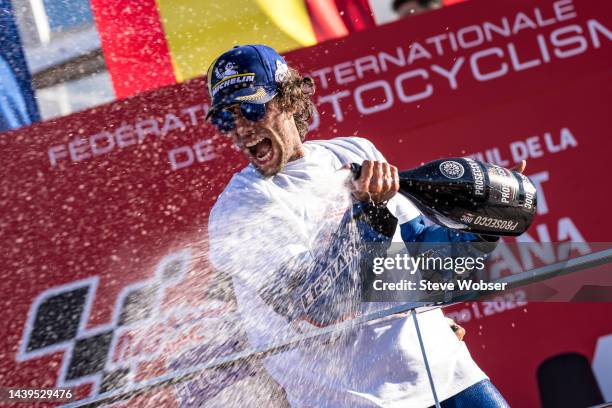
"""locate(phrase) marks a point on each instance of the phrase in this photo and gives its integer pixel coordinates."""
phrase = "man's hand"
(378, 182)
(458, 330)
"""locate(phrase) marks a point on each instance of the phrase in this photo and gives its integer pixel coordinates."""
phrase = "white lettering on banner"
(567, 241)
(417, 51)
(494, 156)
(521, 22)
(543, 48)
(398, 60)
(149, 127)
(320, 74)
(566, 231)
(171, 122)
(367, 63)
(544, 251)
(564, 10)
(185, 156)
(126, 135)
(566, 42)
(512, 300)
(334, 99)
(191, 112)
(467, 37)
(450, 75)
(533, 145)
(595, 26)
(579, 40)
(55, 153)
(478, 74)
(517, 64)
(465, 32)
(78, 150)
(490, 28)
(344, 73)
(542, 22)
(483, 65)
(416, 96)
(386, 103)
(97, 148)
(531, 148)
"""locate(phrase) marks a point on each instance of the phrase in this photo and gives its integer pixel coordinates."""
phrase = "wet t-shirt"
(260, 224)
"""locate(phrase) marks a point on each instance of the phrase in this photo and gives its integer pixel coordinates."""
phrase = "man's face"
(268, 143)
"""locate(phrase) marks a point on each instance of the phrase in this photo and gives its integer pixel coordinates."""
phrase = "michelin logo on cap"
(232, 79)
(228, 69)
(247, 73)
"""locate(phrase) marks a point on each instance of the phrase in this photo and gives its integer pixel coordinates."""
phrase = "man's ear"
(308, 86)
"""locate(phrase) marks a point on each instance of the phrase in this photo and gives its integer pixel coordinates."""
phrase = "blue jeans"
(483, 394)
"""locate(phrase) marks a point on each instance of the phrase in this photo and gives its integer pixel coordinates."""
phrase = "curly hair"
(295, 93)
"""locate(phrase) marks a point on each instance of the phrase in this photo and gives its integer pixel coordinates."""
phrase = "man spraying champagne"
(299, 271)
(468, 195)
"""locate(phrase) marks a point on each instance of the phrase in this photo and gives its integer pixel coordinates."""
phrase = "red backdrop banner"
(105, 211)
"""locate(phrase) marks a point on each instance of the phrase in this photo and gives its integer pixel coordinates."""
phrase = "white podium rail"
(438, 300)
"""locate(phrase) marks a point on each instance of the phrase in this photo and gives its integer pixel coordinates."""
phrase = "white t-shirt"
(258, 224)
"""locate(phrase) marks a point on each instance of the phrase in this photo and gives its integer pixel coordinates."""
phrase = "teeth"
(254, 142)
(267, 157)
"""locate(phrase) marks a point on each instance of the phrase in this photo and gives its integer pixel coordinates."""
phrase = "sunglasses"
(224, 119)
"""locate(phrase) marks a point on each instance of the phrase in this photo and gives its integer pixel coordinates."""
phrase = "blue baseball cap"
(247, 73)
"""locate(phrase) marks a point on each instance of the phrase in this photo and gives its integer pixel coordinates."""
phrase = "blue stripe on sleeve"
(416, 230)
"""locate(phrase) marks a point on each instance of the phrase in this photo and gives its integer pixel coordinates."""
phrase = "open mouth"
(261, 150)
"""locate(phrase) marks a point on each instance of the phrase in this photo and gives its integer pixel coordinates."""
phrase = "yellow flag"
(197, 31)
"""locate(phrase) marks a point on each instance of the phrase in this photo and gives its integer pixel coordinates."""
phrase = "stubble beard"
(282, 150)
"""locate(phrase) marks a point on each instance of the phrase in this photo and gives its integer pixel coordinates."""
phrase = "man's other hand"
(378, 182)
(458, 330)
(520, 166)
